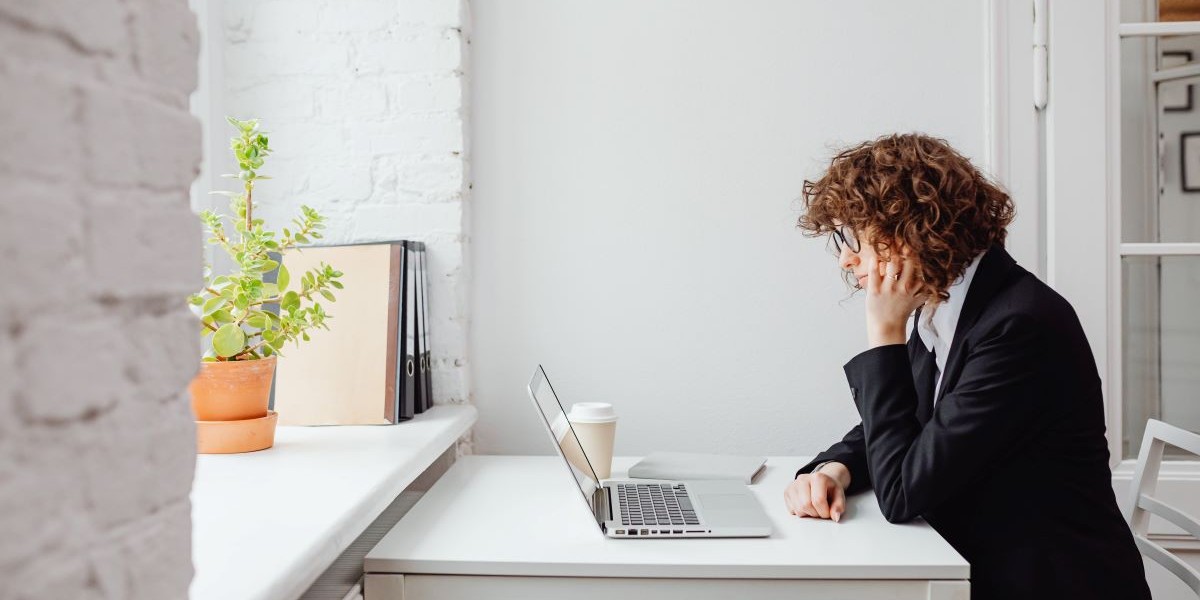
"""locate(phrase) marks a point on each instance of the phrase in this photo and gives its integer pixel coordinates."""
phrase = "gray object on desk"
(688, 465)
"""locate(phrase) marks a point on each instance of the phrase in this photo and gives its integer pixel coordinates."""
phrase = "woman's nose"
(847, 259)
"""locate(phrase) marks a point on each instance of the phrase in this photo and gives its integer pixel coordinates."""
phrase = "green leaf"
(222, 316)
(283, 278)
(258, 319)
(270, 265)
(328, 295)
(229, 340)
(290, 301)
(270, 290)
(300, 238)
(212, 305)
(337, 284)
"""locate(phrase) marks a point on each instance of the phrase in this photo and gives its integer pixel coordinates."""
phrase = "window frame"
(1083, 245)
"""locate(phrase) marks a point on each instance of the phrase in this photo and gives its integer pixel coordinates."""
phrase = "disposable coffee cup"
(571, 449)
(595, 423)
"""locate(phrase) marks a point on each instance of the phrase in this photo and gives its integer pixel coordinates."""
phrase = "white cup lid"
(592, 412)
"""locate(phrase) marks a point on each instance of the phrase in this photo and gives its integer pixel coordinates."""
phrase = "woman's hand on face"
(892, 295)
(815, 495)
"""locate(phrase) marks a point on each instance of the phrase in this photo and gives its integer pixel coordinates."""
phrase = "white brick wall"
(98, 248)
(364, 100)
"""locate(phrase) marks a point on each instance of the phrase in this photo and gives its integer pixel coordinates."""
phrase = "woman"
(989, 421)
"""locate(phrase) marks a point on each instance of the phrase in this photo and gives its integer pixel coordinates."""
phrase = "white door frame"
(1011, 125)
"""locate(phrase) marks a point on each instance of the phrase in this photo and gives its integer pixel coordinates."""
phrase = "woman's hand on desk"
(820, 494)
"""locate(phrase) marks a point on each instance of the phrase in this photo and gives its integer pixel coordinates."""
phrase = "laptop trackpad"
(740, 509)
(726, 502)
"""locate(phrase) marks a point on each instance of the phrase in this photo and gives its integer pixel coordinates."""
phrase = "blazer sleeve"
(993, 406)
(852, 452)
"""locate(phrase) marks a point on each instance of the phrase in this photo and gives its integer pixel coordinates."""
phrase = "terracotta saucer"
(231, 437)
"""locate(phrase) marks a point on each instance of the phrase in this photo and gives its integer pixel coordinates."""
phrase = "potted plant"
(247, 316)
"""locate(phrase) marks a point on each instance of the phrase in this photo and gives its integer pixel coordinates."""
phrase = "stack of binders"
(415, 393)
(372, 367)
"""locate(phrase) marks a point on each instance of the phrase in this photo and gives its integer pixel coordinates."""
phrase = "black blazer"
(1010, 465)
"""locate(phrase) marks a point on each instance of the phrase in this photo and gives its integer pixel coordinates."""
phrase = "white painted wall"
(98, 250)
(636, 170)
(364, 101)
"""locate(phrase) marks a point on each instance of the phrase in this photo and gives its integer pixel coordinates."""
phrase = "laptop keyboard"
(656, 504)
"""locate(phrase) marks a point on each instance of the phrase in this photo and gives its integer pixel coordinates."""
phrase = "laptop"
(642, 508)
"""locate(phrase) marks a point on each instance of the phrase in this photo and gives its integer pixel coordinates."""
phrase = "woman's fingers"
(815, 495)
(838, 507)
(819, 495)
(873, 276)
(915, 285)
(891, 274)
(907, 276)
(796, 495)
(798, 498)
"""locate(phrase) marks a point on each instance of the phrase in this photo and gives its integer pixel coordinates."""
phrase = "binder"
(427, 353)
(420, 403)
(345, 375)
(406, 363)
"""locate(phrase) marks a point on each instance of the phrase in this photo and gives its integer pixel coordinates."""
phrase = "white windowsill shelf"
(265, 525)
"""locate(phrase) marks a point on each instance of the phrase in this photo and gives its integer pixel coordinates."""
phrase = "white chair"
(1145, 478)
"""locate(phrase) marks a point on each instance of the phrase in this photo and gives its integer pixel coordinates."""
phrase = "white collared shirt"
(938, 322)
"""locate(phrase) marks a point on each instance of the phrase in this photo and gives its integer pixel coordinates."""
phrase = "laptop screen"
(563, 435)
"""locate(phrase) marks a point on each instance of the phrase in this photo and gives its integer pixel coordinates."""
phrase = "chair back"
(1143, 504)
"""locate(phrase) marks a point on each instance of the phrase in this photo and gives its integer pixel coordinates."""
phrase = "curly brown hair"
(916, 190)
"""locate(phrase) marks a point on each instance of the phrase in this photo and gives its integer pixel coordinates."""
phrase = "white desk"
(516, 527)
(266, 524)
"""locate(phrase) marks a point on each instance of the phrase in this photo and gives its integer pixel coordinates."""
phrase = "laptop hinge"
(602, 505)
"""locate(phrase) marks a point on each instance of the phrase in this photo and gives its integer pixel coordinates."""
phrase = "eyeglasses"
(844, 236)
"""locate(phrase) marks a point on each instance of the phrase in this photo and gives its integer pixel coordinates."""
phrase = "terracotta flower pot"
(232, 390)
(230, 402)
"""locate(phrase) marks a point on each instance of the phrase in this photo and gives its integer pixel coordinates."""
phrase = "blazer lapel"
(993, 271)
(923, 367)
